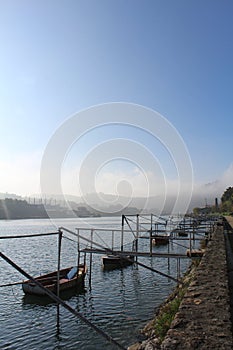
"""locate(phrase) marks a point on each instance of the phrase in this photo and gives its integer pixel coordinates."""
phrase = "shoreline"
(203, 319)
(156, 329)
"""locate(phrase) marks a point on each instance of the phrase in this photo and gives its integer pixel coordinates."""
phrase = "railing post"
(58, 275)
(151, 233)
(190, 244)
(90, 268)
(122, 232)
(151, 227)
(112, 239)
(137, 234)
(78, 248)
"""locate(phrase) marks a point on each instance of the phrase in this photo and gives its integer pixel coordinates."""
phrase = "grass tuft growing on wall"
(165, 318)
(168, 311)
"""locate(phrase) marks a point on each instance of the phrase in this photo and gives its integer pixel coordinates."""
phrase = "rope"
(10, 284)
(30, 235)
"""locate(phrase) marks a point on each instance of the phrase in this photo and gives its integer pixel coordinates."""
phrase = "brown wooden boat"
(195, 253)
(70, 277)
(116, 261)
(180, 232)
(160, 239)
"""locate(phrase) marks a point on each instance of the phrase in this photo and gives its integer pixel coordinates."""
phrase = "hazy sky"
(60, 57)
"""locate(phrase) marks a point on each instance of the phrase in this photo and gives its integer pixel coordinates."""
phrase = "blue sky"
(59, 57)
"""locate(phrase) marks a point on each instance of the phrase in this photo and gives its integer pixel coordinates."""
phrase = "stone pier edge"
(203, 320)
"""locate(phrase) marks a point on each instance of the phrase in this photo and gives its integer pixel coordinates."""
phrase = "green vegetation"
(227, 200)
(165, 319)
(168, 310)
(226, 206)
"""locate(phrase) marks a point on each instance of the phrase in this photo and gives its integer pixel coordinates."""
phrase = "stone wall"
(203, 320)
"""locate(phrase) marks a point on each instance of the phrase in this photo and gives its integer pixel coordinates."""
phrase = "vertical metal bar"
(151, 241)
(59, 260)
(168, 251)
(85, 258)
(193, 233)
(58, 275)
(190, 244)
(137, 234)
(90, 267)
(151, 227)
(122, 232)
(112, 239)
(78, 247)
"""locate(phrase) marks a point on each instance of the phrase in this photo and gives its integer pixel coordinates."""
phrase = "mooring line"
(10, 284)
(30, 235)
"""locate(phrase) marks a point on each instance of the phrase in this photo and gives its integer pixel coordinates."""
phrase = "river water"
(120, 302)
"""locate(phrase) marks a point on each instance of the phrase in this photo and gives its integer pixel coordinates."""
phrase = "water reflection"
(118, 301)
(66, 295)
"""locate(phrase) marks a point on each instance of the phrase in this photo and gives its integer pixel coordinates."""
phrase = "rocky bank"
(203, 320)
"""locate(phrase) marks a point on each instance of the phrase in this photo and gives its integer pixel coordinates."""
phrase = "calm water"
(120, 302)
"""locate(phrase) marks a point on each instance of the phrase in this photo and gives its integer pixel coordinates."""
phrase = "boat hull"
(115, 261)
(195, 253)
(49, 281)
(160, 240)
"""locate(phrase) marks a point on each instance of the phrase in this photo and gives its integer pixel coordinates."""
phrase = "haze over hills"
(110, 203)
(9, 195)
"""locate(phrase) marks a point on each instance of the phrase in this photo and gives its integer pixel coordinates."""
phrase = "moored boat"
(160, 239)
(116, 261)
(71, 277)
(180, 232)
(195, 253)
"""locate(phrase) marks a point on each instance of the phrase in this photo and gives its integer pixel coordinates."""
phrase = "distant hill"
(9, 195)
(110, 204)
(20, 209)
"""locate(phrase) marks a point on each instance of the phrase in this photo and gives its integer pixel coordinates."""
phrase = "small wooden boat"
(71, 277)
(116, 261)
(195, 253)
(180, 232)
(160, 239)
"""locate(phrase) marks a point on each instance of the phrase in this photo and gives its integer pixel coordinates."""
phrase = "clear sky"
(59, 57)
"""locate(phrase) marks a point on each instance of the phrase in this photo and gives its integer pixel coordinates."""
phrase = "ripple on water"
(119, 302)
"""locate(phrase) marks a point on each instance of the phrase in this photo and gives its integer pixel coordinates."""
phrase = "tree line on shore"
(225, 207)
(20, 209)
(227, 200)
(11, 209)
